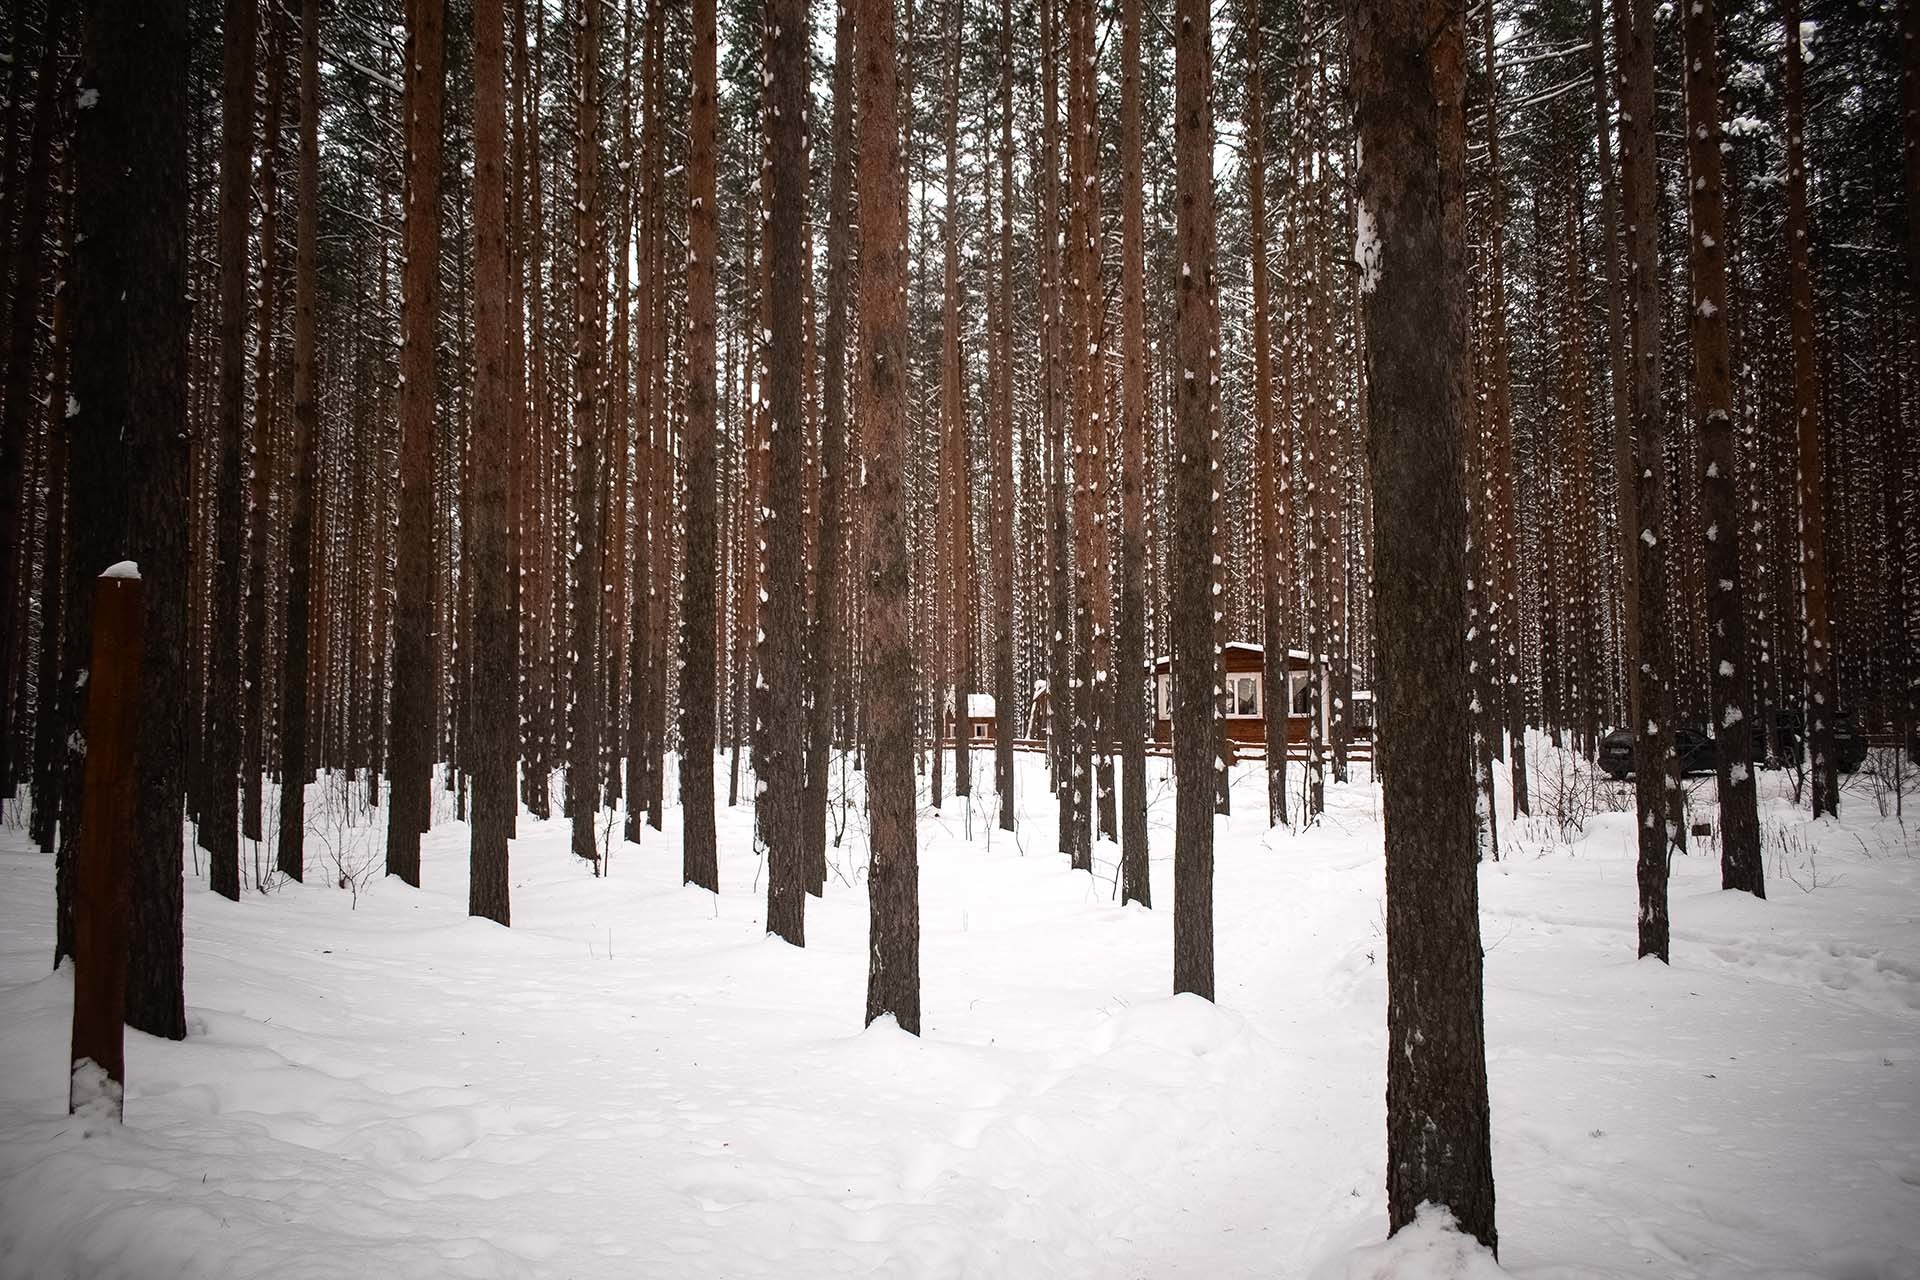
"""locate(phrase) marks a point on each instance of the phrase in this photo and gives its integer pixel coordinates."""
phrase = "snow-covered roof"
(979, 705)
(1243, 646)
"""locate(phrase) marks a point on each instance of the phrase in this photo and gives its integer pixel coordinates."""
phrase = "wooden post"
(106, 835)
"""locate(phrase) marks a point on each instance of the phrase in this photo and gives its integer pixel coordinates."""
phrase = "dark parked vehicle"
(1849, 741)
(1694, 751)
(1698, 754)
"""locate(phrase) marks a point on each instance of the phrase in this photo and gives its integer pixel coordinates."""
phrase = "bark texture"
(1196, 739)
(1410, 84)
(1740, 865)
(699, 859)
(893, 972)
(128, 440)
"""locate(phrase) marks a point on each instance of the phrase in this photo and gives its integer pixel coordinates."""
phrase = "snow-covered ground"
(635, 1081)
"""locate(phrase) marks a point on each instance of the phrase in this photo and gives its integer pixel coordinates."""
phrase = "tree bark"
(1274, 678)
(128, 439)
(490, 754)
(1510, 709)
(253, 747)
(893, 973)
(29, 269)
(1196, 739)
(219, 822)
(585, 693)
(779, 763)
(1740, 865)
(699, 859)
(1410, 86)
(1648, 652)
(958, 676)
(825, 631)
(1005, 697)
(411, 735)
(1130, 660)
(293, 681)
(1806, 413)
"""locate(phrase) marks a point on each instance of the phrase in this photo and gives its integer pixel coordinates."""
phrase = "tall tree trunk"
(50, 742)
(253, 748)
(1510, 706)
(827, 589)
(958, 676)
(1005, 698)
(585, 693)
(662, 413)
(490, 754)
(219, 822)
(517, 478)
(1060, 688)
(29, 263)
(1195, 734)
(893, 972)
(410, 717)
(1131, 658)
(294, 668)
(128, 441)
(1410, 87)
(537, 625)
(1084, 394)
(1740, 866)
(1649, 660)
(781, 769)
(1274, 679)
(1618, 373)
(1806, 413)
(1909, 668)
(699, 606)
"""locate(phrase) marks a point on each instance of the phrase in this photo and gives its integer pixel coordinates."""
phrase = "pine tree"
(219, 823)
(1002, 515)
(699, 609)
(23, 316)
(291, 855)
(1130, 658)
(490, 755)
(1268, 482)
(1196, 738)
(1740, 866)
(1648, 642)
(893, 889)
(263, 459)
(127, 440)
(411, 735)
(779, 762)
(1806, 412)
(585, 564)
(1410, 109)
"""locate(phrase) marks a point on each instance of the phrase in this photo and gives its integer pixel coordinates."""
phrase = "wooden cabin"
(982, 722)
(1246, 697)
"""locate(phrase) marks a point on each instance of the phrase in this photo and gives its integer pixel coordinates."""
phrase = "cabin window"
(1243, 697)
(1163, 697)
(979, 729)
(1303, 699)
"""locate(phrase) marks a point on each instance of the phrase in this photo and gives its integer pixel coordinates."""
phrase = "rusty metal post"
(106, 837)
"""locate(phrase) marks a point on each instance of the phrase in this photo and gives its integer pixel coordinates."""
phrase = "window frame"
(1233, 695)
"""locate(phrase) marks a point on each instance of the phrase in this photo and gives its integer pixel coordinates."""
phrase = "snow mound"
(1432, 1247)
(1184, 1024)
